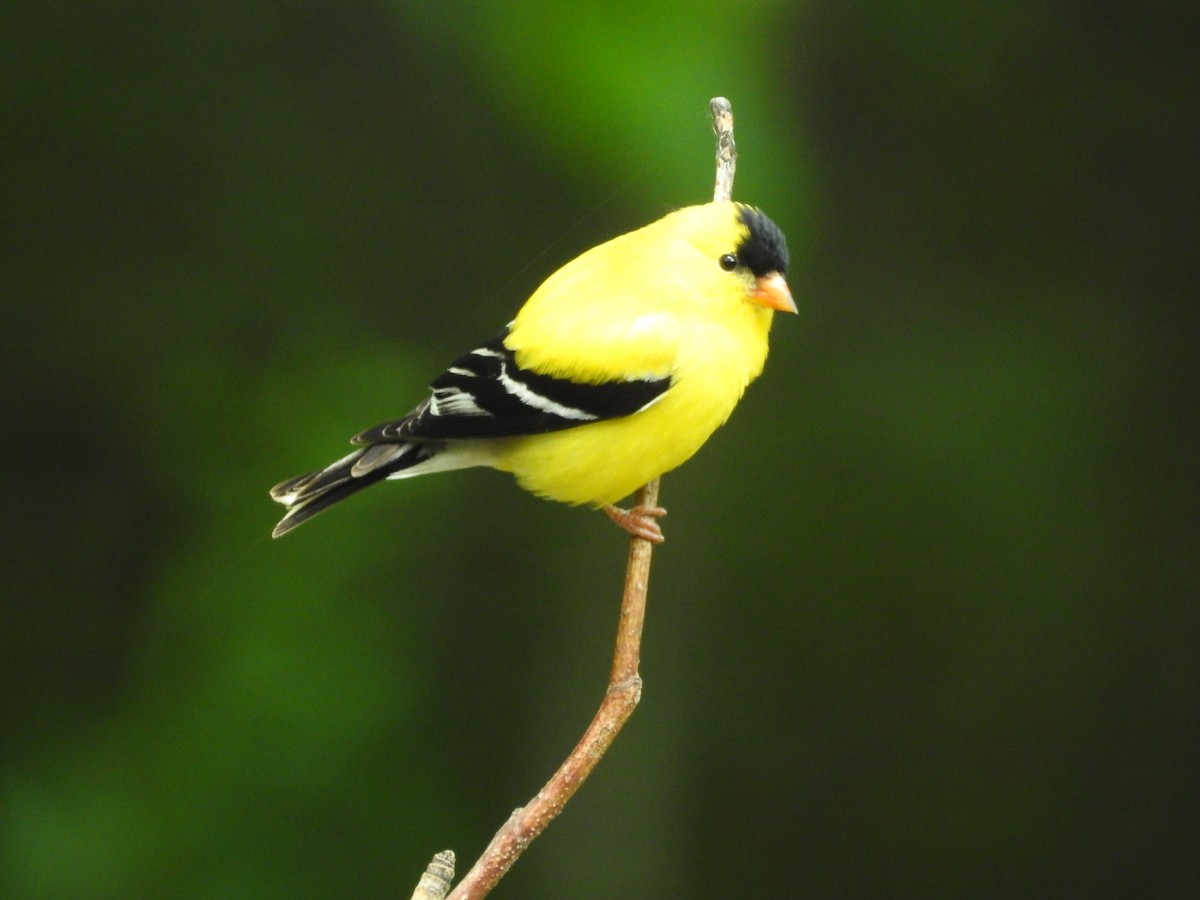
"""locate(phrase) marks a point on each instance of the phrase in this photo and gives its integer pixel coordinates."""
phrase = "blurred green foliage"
(925, 623)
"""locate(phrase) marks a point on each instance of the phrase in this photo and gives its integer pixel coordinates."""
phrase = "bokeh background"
(926, 623)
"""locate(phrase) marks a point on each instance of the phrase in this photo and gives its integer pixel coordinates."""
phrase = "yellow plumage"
(651, 302)
(617, 369)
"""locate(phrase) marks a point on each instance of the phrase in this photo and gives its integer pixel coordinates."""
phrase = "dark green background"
(926, 622)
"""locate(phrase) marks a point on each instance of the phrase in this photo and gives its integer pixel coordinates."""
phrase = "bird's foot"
(638, 521)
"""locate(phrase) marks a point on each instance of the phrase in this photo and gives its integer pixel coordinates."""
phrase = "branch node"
(631, 685)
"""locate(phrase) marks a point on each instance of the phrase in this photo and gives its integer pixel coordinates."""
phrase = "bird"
(616, 370)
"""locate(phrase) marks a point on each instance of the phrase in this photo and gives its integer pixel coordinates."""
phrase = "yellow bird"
(617, 369)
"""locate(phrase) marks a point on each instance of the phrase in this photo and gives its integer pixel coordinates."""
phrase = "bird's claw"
(638, 521)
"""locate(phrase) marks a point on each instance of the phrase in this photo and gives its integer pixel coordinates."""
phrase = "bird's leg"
(638, 521)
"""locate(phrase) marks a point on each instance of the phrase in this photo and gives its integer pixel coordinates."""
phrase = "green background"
(926, 621)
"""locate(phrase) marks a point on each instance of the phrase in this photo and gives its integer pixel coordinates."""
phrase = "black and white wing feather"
(483, 394)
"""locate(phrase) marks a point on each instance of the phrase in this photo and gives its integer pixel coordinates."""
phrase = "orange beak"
(773, 293)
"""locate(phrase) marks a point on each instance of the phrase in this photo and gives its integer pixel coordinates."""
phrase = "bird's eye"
(728, 262)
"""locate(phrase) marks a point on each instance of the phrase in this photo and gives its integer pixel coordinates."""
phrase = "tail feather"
(308, 494)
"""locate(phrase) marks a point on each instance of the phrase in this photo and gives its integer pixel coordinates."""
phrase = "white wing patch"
(536, 401)
(452, 401)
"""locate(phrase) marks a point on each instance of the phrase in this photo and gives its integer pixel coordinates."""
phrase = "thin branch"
(722, 122)
(624, 683)
(438, 877)
(621, 698)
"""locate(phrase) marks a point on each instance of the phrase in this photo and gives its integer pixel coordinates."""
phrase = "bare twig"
(722, 120)
(624, 692)
(624, 683)
(439, 874)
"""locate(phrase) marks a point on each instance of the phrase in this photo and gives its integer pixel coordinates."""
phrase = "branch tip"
(435, 883)
(722, 123)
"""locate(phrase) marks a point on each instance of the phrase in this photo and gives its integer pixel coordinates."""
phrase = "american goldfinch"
(617, 369)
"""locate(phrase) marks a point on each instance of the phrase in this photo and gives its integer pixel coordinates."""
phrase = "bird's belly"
(601, 462)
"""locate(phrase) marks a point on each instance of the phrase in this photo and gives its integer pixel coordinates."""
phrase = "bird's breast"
(601, 462)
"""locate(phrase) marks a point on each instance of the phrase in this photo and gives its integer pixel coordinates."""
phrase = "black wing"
(485, 393)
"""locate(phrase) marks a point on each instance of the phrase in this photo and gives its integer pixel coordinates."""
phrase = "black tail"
(306, 495)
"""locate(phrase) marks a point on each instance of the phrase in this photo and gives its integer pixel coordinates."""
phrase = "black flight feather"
(485, 394)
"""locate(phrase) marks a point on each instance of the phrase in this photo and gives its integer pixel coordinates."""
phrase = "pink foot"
(638, 521)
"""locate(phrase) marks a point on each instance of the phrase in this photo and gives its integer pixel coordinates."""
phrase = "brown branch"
(624, 683)
(624, 692)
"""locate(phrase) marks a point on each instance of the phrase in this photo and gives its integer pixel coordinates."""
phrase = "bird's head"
(741, 249)
(762, 252)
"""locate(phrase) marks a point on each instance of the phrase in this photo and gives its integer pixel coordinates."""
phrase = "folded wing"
(485, 394)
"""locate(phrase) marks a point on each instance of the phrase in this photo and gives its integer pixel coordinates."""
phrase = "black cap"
(764, 250)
